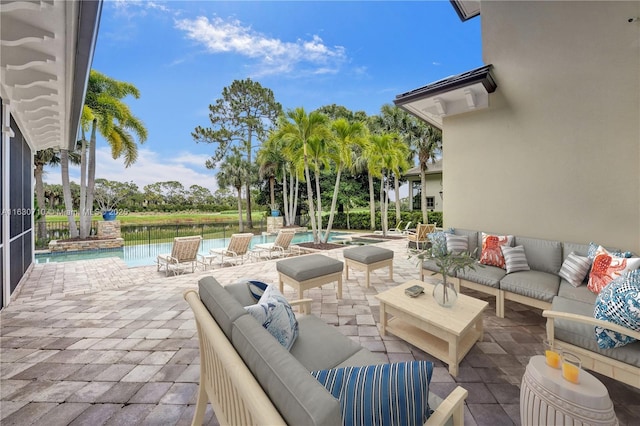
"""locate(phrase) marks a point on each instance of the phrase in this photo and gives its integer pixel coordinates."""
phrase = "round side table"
(546, 398)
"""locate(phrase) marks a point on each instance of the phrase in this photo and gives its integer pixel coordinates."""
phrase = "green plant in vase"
(448, 264)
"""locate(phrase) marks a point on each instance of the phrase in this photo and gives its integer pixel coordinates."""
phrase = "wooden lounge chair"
(184, 253)
(420, 236)
(235, 252)
(280, 247)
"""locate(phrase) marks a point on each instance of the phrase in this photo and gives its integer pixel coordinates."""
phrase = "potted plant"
(448, 263)
(107, 194)
(275, 210)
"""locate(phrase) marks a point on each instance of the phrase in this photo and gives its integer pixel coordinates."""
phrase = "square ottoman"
(367, 259)
(314, 270)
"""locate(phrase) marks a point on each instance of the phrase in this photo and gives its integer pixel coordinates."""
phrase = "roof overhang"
(46, 50)
(453, 95)
(466, 9)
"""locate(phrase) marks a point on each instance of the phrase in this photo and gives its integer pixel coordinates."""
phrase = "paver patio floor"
(95, 342)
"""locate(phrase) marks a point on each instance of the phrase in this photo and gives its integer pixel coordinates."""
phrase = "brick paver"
(96, 342)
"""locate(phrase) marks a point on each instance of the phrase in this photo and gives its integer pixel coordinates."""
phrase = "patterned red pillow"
(606, 267)
(491, 253)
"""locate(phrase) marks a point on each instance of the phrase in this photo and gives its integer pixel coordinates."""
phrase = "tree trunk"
(42, 223)
(372, 203)
(240, 224)
(285, 197)
(398, 205)
(83, 187)
(91, 179)
(296, 193)
(319, 202)
(333, 206)
(383, 221)
(248, 185)
(423, 196)
(66, 192)
(312, 211)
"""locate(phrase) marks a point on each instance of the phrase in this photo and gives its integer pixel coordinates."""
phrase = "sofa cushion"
(274, 313)
(582, 335)
(542, 255)
(457, 243)
(491, 254)
(240, 290)
(608, 266)
(389, 394)
(582, 293)
(472, 240)
(515, 259)
(574, 269)
(536, 284)
(302, 268)
(579, 249)
(487, 275)
(222, 306)
(619, 303)
(299, 398)
(363, 357)
(320, 346)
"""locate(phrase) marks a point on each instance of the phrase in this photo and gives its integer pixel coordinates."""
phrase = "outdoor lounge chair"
(419, 238)
(398, 230)
(235, 252)
(280, 247)
(184, 253)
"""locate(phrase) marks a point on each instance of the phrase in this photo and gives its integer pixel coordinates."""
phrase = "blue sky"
(182, 54)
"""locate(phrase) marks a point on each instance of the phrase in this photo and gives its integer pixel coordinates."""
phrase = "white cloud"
(186, 168)
(273, 55)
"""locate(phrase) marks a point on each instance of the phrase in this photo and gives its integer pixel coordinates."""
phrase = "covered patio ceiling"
(46, 48)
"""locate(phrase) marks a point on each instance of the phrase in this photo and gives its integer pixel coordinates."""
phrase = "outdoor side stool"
(367, 259)
(314, 270)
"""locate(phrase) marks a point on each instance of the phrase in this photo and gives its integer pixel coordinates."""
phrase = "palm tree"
(301, 129)
(45, 157)
(233, 172)
(106, 113)
(387, 155)
(347, 136)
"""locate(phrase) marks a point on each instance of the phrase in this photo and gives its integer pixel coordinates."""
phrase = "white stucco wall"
(557, 153)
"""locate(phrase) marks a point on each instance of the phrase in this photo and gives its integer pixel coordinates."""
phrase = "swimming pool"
(145, 254)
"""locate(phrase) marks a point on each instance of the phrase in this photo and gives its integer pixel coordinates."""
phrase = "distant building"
(434, 187)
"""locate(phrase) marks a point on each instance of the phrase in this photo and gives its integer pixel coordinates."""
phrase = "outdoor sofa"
(250, 377)
(569, 309)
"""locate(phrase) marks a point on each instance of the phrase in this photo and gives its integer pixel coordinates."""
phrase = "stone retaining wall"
(63, 246)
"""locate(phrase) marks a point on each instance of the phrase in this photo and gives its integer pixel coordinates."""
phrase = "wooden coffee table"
(446, 333)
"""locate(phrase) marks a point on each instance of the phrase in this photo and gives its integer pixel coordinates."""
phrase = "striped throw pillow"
(456, 244)
(574, 269)
(514, 258)
(386, 394)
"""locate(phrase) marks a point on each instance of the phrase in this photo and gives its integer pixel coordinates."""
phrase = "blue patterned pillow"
(619, 303)
(256, 288)
(385, 394)
(275, 314)
(438, 240)
(593, 248)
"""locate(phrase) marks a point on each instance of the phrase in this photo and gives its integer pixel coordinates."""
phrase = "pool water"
(145, 254)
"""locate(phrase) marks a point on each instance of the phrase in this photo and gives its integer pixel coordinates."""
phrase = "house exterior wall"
(557, 153)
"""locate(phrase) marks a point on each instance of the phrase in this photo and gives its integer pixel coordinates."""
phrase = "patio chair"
(280, 247)
(420, 236)
(184, 253)
(235, 252)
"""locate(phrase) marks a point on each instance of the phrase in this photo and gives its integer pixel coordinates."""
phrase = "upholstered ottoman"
(367, 259)
(314, 270)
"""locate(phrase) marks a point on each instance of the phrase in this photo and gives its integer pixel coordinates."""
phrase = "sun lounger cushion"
(368, 254)
(300, 399)
(221, 304)
(304, 268)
